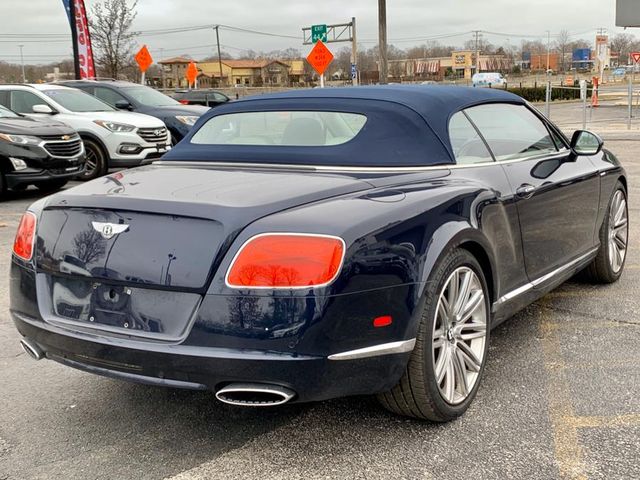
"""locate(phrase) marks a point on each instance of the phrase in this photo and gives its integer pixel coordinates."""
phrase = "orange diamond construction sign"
(192, 73)
(143, 58)
(320, 57)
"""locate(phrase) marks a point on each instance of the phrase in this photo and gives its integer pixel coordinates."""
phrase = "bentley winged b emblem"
(109, 230)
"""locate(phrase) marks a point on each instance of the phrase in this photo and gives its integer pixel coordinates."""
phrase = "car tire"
(419, 394)
(96, 161)
(51, 185)
(614, 239)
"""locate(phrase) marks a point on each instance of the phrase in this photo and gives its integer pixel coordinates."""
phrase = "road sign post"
(192, 73)
(340, 32)
(319, 58)
(144, 61)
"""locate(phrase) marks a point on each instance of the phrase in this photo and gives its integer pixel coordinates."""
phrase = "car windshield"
(6, 113)
(150, 97)
(285, 128)
(77, 101)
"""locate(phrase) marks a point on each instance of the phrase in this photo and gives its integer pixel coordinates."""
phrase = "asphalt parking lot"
(560, 399)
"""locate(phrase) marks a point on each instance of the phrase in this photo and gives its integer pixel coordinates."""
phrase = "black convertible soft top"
(406, 126)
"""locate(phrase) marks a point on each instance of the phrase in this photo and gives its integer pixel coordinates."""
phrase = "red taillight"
(184, 102)
(286, 260)
(23, 244)
(383, 321)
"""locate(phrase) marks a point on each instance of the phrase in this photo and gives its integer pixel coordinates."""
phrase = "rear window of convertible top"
(281, 128)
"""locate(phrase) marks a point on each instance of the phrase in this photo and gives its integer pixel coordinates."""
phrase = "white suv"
(111, 138)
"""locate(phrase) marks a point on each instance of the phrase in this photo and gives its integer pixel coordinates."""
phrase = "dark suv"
(46, 154)
(203, 96)
(142, 99)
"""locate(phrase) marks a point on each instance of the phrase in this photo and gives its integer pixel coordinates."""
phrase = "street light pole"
(382, 41)
(548, 47)
(24, 77)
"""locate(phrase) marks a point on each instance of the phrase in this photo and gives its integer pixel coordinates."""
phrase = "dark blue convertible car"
(316, 244)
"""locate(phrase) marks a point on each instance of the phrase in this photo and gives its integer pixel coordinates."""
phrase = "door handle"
(525, 190)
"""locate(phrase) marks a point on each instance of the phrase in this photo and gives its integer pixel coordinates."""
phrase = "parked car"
(488, 79)
(111, 138)
(309, 244)
(46, 154)
(203, 96)
(142, 99)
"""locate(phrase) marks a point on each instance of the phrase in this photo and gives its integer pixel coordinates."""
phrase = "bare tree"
(563, 42)
(110, 27)
(623, 44)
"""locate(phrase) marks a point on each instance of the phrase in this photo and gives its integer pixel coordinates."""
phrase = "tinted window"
(467, 145)
(108, 95)
(4, 98)
(77, 100)
(149, 97)
(23, 102)
(512, 131)
(288, 128)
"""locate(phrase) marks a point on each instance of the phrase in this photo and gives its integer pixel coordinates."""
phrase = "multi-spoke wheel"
(614, 237)
(459, 335)
(618, 230)
(96, 161)
(445, 367)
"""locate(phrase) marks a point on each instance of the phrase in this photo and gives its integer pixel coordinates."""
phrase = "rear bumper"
(181, 366)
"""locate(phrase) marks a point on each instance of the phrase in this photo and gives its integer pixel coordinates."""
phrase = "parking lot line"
(568, 452)
(565, 423)
(614, 421)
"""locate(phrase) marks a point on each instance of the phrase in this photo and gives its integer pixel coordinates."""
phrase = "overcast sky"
(409, 22)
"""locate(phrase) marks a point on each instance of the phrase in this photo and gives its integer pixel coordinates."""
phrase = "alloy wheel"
(91, 161)
(459, 335)
(618, 231)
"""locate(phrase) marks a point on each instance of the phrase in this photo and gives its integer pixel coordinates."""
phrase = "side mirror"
(42, 108)
(584, 142)
(123, 105)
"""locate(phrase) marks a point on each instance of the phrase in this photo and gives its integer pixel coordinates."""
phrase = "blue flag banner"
(67, 8)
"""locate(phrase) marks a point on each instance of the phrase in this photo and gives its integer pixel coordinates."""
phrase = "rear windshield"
(284, 128)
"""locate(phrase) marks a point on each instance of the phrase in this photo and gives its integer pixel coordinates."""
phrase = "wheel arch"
(94, 138)
(465, 236)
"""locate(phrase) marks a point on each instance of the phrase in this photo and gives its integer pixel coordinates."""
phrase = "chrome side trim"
(539, 281)
(338, 168)
(376, 350)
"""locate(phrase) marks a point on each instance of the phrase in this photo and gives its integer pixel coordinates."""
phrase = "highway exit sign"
(318, 32)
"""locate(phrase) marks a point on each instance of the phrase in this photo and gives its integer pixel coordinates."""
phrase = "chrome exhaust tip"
(254, 395)
(32, 349)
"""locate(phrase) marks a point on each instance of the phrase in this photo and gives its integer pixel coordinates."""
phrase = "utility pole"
(477, 52)
(219, 57)
(548, 48)
(24, 78)
(354, 51)
(162, 68)
(382, 42)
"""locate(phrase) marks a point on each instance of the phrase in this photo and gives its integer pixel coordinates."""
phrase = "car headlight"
(115, 127)
(20, 139)
(187, 119)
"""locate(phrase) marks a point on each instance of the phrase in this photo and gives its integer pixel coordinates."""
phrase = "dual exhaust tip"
(254, 395)
(242, 394)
